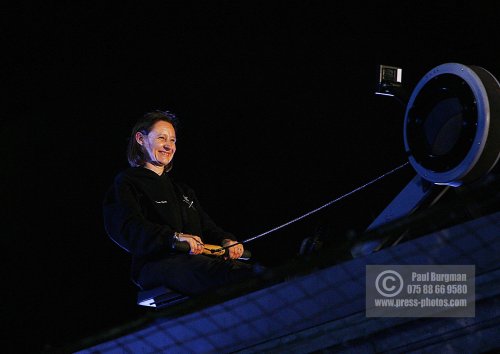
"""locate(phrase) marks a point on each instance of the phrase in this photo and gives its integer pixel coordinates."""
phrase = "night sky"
(278, 112)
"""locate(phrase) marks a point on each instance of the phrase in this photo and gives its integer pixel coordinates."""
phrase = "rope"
(325, 205)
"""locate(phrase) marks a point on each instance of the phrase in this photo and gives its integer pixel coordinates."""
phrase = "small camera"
(390, 75)
(389, 81)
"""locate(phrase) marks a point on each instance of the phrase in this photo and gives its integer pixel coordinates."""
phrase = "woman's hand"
(233, 252)
(195, 243)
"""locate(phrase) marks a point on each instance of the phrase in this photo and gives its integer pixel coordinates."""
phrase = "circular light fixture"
(452, 124)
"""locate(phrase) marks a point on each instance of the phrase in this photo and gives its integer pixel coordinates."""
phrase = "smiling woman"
(153, 149)
(158, 144)
(147, 213)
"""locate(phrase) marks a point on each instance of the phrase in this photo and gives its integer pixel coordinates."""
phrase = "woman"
(146, 212)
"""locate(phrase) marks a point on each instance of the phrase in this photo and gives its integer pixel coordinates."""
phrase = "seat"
(159, 297)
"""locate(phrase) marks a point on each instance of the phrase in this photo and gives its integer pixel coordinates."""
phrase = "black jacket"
(143, 210)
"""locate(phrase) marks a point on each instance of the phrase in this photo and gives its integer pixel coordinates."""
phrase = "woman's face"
(159, 144)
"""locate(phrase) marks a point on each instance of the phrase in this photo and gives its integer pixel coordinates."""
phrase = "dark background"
(278, 114)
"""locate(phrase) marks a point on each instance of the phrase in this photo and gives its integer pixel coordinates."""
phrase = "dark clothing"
(189, 274)
(143, 210)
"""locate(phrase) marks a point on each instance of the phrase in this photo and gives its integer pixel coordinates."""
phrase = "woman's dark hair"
(135, 153)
